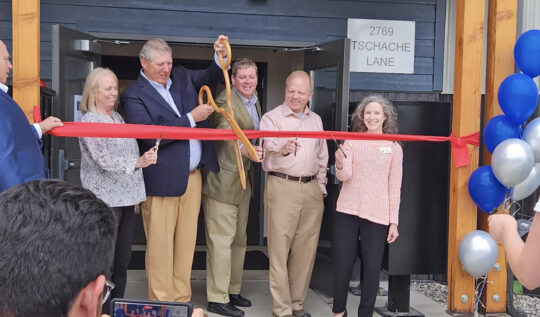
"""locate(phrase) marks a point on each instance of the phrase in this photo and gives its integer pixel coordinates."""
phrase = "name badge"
(385, 149)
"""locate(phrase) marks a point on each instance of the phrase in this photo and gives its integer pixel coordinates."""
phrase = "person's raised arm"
(523, 258)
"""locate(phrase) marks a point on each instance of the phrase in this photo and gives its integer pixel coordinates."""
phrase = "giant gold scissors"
(229, 116)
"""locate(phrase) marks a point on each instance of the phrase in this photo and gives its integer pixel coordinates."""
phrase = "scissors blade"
(338, 146)
(158, 141)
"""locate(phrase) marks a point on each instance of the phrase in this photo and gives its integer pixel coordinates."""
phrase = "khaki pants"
(226, 239)
(293, 213)
(170, 225)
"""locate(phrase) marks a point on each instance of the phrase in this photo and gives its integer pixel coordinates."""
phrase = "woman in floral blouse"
(112, 167)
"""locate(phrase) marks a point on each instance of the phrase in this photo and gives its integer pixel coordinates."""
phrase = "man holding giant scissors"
(167, 95)
(225, 202)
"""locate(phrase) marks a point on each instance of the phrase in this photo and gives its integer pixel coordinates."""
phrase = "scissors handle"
(225, 63)
(206, 89)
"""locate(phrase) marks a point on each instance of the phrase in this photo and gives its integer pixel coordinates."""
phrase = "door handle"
(64, 165)
(332, 171)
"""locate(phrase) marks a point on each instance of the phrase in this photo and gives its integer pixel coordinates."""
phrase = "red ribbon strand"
(460, 152)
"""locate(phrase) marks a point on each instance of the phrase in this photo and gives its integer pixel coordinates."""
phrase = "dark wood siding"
(281, 20)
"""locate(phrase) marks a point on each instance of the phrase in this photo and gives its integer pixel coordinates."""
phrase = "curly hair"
(390, 125)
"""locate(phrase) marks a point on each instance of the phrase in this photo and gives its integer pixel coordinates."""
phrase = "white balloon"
(512, 161)
(529, 185)
(531, 135)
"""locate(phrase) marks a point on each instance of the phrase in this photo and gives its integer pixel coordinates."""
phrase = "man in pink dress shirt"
(293, 196)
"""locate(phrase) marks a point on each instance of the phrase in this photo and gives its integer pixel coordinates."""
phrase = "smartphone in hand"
(122, 307)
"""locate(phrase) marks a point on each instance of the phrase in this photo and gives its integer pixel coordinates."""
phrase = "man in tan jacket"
(225, 202)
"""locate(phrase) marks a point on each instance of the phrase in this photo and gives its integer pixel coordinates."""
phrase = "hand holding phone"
(122, 307)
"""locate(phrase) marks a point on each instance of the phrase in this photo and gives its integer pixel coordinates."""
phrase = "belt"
(301, 179)
(193, 171)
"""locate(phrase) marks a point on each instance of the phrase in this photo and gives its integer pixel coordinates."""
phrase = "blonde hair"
(390, 125)
(91, 87)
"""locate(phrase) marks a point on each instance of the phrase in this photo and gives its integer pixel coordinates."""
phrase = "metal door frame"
(334, 54)
(67, 42)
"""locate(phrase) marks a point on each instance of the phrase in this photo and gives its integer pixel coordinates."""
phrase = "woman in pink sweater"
(368, 204)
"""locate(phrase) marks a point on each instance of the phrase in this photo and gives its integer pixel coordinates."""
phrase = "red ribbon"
(460, 152)
(37, 114)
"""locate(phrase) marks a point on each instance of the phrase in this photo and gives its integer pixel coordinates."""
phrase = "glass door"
(328, 65)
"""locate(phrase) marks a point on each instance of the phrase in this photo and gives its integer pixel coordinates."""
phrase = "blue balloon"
(499, 129)
(527, 53)
(518, 97)
(485, 190)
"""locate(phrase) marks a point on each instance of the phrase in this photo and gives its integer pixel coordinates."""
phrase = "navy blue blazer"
(142, 104)
(21, 160)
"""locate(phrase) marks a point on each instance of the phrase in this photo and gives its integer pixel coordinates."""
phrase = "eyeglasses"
(109, 286)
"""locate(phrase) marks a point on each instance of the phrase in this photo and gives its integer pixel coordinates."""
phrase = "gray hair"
(390, 125)
(153, 45)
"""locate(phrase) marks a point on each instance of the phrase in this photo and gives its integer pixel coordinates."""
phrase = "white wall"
(528, 17)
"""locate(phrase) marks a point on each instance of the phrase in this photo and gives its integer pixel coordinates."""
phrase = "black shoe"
(225, 309)
(239, 300)
(300, 313)
(355, 290)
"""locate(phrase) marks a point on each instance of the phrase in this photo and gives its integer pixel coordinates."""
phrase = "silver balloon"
(531, 135)
(523, 225)
(478, 252)
(529, 185)
(512, 161)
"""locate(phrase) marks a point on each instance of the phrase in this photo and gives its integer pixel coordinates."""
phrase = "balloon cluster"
(515, 161)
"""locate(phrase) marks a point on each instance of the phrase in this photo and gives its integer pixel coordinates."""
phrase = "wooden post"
(465, 120)
(502, 21)
(26, 55)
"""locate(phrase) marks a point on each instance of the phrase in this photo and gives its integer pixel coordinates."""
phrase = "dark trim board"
(257, 24)
(417, 10)
(205, 40)
(397, 82)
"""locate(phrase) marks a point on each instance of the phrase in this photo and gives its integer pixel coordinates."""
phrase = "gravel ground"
(439, 292)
